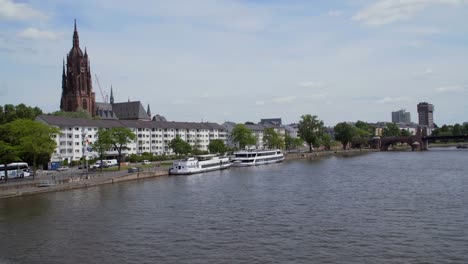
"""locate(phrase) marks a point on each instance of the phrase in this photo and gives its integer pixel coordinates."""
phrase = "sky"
(243, 60)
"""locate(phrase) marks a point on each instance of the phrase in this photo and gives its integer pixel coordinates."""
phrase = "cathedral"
(77, 88)
(77, 91)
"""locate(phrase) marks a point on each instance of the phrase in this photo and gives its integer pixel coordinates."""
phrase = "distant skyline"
(218, 60)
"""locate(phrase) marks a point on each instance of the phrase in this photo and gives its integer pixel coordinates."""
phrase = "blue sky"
(218, 60)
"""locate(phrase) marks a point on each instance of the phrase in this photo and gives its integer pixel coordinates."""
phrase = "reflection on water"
(399, 207)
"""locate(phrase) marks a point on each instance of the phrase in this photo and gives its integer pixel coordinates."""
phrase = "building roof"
(130, 110)
(274, 121)
(62, 121)
(104, 111)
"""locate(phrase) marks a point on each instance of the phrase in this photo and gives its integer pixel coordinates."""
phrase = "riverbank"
(75, 182)
(84, 181)
(319, 154)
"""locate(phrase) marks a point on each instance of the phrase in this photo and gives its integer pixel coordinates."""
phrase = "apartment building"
(78, 134)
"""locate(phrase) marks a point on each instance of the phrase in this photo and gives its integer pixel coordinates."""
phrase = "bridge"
(420, 141)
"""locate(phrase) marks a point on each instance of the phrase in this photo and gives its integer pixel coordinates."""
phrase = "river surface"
(393, 207)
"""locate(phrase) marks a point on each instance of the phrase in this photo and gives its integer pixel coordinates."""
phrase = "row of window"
(172, 130)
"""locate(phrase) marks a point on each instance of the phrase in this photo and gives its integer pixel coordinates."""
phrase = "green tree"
(243, 136)
(10, 113)
(465, 129)
(327, 141)
(362, 134)
(34, 140)
(119, 137)
(457, 130)
(2, 115)
(297, 143)
(362, 125)
(102, 144)
(292, 143)
(78, 114)
(217, 146)
(405, 133)
(391, 130)
(310, 130)
(288, 141)
(180, 147)
(196, 148)
(8, 154)
(344, 133)
(272, 139)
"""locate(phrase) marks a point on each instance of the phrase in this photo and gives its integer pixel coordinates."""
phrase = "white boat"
(245, 158)
(201, 163)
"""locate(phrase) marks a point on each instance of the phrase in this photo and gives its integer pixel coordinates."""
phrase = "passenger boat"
(198, 164)
(245, 158)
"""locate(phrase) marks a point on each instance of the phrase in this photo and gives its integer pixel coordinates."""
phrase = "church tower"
(77, 89)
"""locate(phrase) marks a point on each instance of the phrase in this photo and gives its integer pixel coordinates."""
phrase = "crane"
(103, 94)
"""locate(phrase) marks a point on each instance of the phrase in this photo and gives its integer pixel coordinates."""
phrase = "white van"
(111, 163)
(96, 165)
(107, 163)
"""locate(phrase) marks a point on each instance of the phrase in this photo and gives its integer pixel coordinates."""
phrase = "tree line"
(451, 130)
(22, 139)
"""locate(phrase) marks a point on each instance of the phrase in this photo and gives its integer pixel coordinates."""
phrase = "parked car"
(63, 168)
(134, 169)
(146, 162)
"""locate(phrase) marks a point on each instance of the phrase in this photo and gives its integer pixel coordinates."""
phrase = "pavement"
(70, 179)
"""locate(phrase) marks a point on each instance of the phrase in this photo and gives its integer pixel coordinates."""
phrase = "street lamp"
(84, 143)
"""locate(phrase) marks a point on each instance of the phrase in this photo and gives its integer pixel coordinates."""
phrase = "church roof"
(104, 111)
(130, 110)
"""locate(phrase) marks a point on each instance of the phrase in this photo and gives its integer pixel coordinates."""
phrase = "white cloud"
(428, 71)
(421, 31)
(10, 10)
(284, 99)
(259, 103)
(179, 102)
(390, 100)
(390, 11)
(312, 84)
(334, 13)
(34, 33)
(450, 89)
(425, 73)
(316, 96)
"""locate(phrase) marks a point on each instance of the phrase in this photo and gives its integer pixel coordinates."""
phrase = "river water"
(392, 207)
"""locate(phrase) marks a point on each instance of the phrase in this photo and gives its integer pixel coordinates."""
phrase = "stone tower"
(77, 89)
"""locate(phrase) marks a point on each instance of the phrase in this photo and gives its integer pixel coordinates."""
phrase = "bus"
(15, 170)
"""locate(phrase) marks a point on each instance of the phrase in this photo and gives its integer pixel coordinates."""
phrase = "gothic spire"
(76, 39)
(112, 96)
(148, 111)
(85, 52)
(64, 79)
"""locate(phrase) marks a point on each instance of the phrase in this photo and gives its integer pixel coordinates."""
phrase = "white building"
(151, 136)
(258, 131)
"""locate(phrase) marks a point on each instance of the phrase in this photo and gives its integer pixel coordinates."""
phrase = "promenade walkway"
(59, 181)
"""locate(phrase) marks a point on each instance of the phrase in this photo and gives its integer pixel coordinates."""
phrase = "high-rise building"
(77, 89)
(401, 116)
(425, 112)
